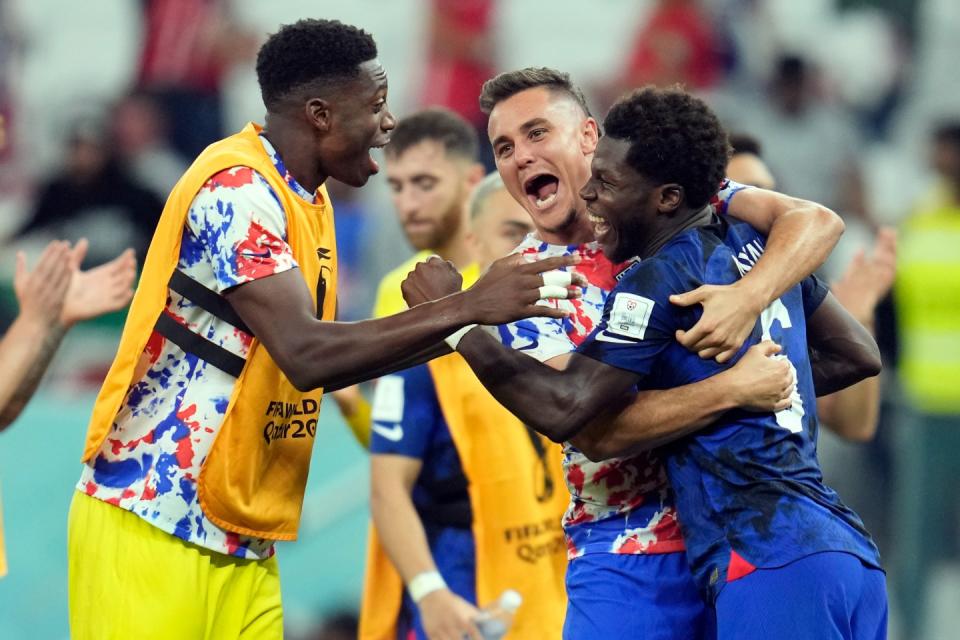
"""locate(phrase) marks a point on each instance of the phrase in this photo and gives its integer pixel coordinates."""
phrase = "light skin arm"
(52, 297)
(801, 235)
(315, 353)
(444, 614)
(853, 412)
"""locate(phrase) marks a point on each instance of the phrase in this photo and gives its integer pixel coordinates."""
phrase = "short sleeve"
(638, 322)
(241, 224)
(720, 202)
(814, 290)
(405, 413)
(540, 338)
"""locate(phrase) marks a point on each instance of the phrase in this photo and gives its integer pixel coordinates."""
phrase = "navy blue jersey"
(408, 421)
(749, 489)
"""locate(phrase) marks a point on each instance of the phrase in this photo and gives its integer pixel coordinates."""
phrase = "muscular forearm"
(554, 403)
(800, 240)
(654, 418)
(424, 355)
(400, 530)
(25, 353)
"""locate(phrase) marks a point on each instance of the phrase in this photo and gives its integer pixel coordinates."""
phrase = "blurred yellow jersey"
(389, 297)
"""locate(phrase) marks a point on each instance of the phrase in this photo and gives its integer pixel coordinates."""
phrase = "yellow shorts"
(128, 579)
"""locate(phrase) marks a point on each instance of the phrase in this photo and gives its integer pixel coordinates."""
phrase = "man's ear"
(670, 198)
(589, 136)
(318, 114)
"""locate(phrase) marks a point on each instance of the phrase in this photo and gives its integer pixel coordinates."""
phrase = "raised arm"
(801, 235)
(315, 353)
(853, 412)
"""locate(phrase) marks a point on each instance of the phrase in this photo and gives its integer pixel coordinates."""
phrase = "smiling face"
(359, 121)
(621, 203)
(429, 188)
(542, 143)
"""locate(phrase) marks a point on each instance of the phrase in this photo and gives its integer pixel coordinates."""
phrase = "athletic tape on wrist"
(425, 583)
(454, 338)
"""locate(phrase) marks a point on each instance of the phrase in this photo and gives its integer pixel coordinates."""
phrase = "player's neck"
(298, 158)
(674, 226)
(577, 231)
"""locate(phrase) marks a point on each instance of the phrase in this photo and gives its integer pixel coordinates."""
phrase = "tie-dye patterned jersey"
(235, 232)
(620, 505)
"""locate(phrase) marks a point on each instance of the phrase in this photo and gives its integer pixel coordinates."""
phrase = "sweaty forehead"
(371, 79)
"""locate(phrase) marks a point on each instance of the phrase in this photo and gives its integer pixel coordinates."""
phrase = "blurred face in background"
(429, 188)
(945, 158)
(543, 143)
(86, 158)
(748, 168)
(499, 225)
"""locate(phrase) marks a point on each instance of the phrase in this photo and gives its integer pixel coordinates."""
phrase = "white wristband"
(454, 338)
(425, 583)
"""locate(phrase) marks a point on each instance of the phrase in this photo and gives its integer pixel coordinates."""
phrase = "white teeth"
(546, 201)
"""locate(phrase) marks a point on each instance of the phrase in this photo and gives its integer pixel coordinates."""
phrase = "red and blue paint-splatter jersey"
(234, 233)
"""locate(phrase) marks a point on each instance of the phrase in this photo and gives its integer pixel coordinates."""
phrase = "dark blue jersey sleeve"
(814, 290)
(405, 413)
(638, 320)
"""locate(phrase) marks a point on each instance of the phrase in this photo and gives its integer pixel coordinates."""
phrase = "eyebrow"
(526, 126)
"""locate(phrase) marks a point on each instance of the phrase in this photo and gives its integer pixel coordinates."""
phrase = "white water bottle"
(495, 619)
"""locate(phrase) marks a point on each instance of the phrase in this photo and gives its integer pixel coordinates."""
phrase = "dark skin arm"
(654, 418)
(842, 351)
(315, 353)
(557, 404)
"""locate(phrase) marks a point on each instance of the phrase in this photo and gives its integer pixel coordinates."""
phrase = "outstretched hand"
(868, 278)
(508, 291)
(40, 292)
(729, 315)
(100, 290)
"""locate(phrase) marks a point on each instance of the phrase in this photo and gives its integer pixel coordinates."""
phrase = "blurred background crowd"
(855, 103)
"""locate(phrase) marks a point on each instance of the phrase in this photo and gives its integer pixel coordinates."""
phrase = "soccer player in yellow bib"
(200, 440)
(431, 167)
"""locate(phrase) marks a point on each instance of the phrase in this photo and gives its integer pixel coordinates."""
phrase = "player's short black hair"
(510, 83)
(440, 125)
(745, 143)
(308, 51)
(674, 137)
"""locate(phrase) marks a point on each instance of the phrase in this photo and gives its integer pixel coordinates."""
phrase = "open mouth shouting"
(541, 190)
(378, 143)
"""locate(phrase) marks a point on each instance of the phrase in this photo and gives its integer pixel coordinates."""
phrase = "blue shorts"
(456, 559)
(827, 595)
(652, 596)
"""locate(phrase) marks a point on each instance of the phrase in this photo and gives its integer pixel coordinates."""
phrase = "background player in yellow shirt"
(431, 167)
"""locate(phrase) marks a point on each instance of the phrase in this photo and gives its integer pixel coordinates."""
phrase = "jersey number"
(790, 418)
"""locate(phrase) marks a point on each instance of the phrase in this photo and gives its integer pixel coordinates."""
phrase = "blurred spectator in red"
(139, 131)
(92, 196)
(188, 46)
(460, 59)
(676, 44)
